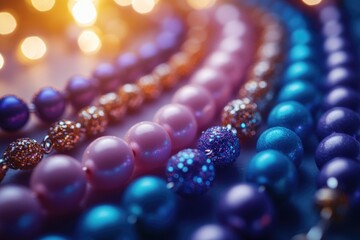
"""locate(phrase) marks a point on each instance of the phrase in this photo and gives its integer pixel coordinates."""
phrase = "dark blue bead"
(50, 104)
(336, 145)
(341, 77)
(302, 70)
(342, 97)
(107, 77)
(214, 232)
(14, 113)
(341, 59)
(81, 91)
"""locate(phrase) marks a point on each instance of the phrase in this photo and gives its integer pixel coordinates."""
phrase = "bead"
(341, 77)
(258, 91)
(334, 200)
(108, 162)
(114, 106)
(341, 174)
(166, 41)
(166, 77)
(106, 74)
(150, 143)
(181, 63)
(126, 62)
(291, 115)
(333, 28)
(336, 145)
(53, 237)
(301, 52)
(190, 172)
(336, 43)
(50, 104)
(132, 96)
(93, 120)
(20, 213)
(180, 124)
(284, 141)
(24, 153)
(244, 208)
(232, 45)
(151, 203)
(199, 100)
(60, 184)
(81, 91)
(341, 59)
(213, 232)
(150, 86)
(3, 169)
(270, 52)
(340, 120)
(342, 97)
(220, 144)
(14, 113)
(301, 36)
(242, 116)
(302, 70)
(105, 222)
(148, 54)
(64, 135)
(262, 70)
(273, 170)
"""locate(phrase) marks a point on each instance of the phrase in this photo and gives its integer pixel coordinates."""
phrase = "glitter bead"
(150, 86)
(64, 135)
(220, 144)
(242, 117)
(132, 95)
(190, 172)
(181, 63)
(114, 106)
(258, 91)
(166, 77)
(24, 153)
(93, 119)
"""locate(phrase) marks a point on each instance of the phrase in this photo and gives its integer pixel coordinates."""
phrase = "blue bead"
(190, 172)
(293, 116)
(341, 77)
(341, 58)
(342, 97)
(284, 141)
(303, 70)
(301, 36)
(214, 232)
(14, 113)
(273, 170)
(53, 237)
(301, 52)
(50, 104)
(150, 201)
(220, 144)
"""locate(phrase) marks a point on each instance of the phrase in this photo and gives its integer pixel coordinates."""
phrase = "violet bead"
(333, 44)
(336, 145)
(148, 54)
(109, 163)
(60, 184)
(81, 91)
(333, 28)
(341, 59)
(126, 67)
(106, 74)
(213, 232)
(50, 104)
(342, 97)
(150, 144)
(20, 213)
(14, 113)
(166, 41)
(173, 25)
(341, 76)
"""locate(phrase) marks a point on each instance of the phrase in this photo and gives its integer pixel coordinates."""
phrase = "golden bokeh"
(7, 23)
(201, 4)
(84, 12)
(33, 48)
(312, 2)
(123, 3)
(2, 61)
(89, 42)
(143, 6)
(43, 5)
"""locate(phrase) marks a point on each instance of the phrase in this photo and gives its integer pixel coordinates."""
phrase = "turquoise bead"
(301, 52)
(302, 70)
(301, 36)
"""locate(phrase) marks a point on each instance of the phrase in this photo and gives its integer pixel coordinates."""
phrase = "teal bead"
(301, 52)
(302, 70)
(273, 170)
(292, 115)
(53, 237)
(301, 36)
(283, 140)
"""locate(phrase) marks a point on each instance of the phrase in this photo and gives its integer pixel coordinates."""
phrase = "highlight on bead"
(8, 23)
(32, 48)
(43, 5)
(2, 61)
(84, 12)
(143, 6)
(312, 2)
(200, 4)
(89, 42)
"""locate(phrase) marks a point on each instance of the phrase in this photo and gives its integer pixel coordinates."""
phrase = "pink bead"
(235, 28)
(233, 46)
(200, 101)
(150, 144)
(109, 163)
(180, 124)
(216, 83)
(60, 184)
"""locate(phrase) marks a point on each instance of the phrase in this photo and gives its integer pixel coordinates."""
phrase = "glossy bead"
(114, 106)
(291, 115)
(166, 77)
(108, 162)
(190, 172)
(301, 36)
(81, 91)
(150, 201)
(333, 28)
(60, 184)
(64, 135)
(125, 63)
(93, 120)
(180, 124)
(49, 104)
(213, 232)
(105, 222)
(301, 52)
(341, 77)
(166, 41)
(342, 97)
(150, 144)
(341, 174)
(20, 213)
(220, 144)
(244, 208)
(14, 113)
(340, 120)
(302, 70)
(132, 96)
(199, 100)
(341, 59)
(273, 170)
(336, 145)
(336, 43)
(106, 74)
(258, 91)
(150, 86)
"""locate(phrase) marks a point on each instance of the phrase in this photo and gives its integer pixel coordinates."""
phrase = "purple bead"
(340, 173)
(341, 59)
(333, 44)
(126, 66)
(333, 28)
(172, 24)
(50, 104)
(213, 232)
(20, 213)
(109, 163)
(336, 145)
(106, 74)
(190, 172)
(247, 210)
(81, 91)
(341, 76)
(220, 144)
(340, 120)
(342, 97)
(60, 184)
(14, 113)
(166, 41)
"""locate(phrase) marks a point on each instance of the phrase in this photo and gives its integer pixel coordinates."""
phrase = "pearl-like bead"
(81, 91)
(14, 113)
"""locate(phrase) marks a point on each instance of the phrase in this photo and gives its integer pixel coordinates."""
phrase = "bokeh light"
(143, 6)
(33, 48)
(89, 42)
(84, 12)
(2, 61)
(43, 5)
(123, 3)
(7, 23)
(201, 4)
(312, 2)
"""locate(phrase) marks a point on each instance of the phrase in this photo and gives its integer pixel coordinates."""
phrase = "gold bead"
(180, 63)
(24, 153)
(150, 86)
(114, 106)
(258, 91)
(132, 96)
(93, 119)
(194, 49)
(64, 135)
(166, 77)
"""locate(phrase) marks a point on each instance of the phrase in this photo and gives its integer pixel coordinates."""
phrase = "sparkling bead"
(150, 86)
(166, 77)
(132, 96)
(14, 113)
(24, 153)
(258, 91)
(241, 116)
(270, 51)
(181, 64)
(65, 135)
(220, 145)
(190, 172)
(93, 120)
(113, 105)
(262, 70)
